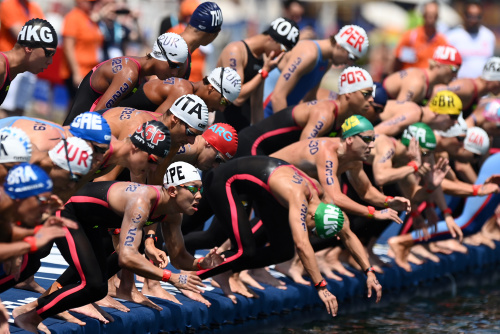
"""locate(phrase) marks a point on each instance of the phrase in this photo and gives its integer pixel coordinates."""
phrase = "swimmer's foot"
(92, 310)
(154, 288)
(263, 276)
(30, 285)
(237, 286)
(292, 269)
(222, 281)
(423, 252)
(401, 249)
(110, 302)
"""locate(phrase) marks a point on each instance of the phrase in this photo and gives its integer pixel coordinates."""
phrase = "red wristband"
(36, 229)
(198, 263)
(447, 211)
(263, 73)
(414, 165)
(166, 275)
(371, 211)
(369, 269)
(386, 200)
(321, 284)
(475, 189)
(32, 242)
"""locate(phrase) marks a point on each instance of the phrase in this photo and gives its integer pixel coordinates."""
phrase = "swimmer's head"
(447, 103)
(422, 133)
(354, 125)
(329, 220)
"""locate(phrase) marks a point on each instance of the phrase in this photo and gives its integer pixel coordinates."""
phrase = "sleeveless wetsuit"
(6, 81)
(228, 184)
(240, 117)
(87, 97)
(86, 278)
(304, 85)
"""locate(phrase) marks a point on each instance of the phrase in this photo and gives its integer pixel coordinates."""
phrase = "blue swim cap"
(379, 94)
(91, 126)
(207, 17)
(26, 180)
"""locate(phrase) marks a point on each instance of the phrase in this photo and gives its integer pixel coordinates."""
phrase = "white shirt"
(475, 49)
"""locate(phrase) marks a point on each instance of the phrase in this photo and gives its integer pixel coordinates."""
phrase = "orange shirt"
(415, 49)
(88, 40)
(197, 57)
(12, 13)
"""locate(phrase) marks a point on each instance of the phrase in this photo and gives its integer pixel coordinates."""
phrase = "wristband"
(321, 284)
(116, 231)
(386, 200)
(166, 275)
(36, 229)
(475, 189)
(198, 263)
(369, 269)
(32, 242)
(263, 73)
(152, 236)
(414, 165)
(447, 211)
(371, 211)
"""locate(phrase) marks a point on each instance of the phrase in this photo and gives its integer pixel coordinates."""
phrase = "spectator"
(13, 15)
(417, 46)
(82, 41)
(475, 42)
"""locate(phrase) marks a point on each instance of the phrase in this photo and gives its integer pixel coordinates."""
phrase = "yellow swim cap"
(446, 102)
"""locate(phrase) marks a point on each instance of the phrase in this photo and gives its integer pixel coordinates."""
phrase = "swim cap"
(354, 125)
(192, 110)
(15, 145)
(76, 157)
(491, 111)
(457, 129)
(448, 55)
(353, 79)
(207, 17)
(223, 138)
(37, 33)
(477, 141)
(379, 94)
(446, 102)
(284, 31)
(170, 46)
(26, 180)
(354, 39)
(180, 172)
(491, 70)
(422, 133)
(91, 126)
(231, 82)
(329, 220)
(152, 137)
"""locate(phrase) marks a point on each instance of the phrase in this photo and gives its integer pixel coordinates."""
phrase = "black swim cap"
(284, 31)
(37, 33)
(152, 137)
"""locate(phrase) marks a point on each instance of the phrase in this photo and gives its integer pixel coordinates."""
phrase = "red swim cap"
(446, 54)
(223, 138)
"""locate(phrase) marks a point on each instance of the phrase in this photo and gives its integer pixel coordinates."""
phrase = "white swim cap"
(15, 145)
(491, 70)
(170, 46)
(191, 109)
(72, 154)
(457, 129)
(477, 141)
(231, 82)
(354, 39)
(179, 173)
(353, 79)
(491, 111)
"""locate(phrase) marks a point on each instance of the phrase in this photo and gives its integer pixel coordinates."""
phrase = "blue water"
(465, 304)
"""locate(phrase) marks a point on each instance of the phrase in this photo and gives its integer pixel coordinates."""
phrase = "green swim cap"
(329, 220)
(423, 133)
(354, 125)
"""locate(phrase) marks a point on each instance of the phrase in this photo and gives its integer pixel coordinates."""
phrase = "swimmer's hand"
(330, 301)
(156, 255)
(212, 259)
(399, 203)
(186, 281)
(387, 214)
(373, 283)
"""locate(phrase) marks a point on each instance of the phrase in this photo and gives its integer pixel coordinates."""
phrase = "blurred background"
(129, 27)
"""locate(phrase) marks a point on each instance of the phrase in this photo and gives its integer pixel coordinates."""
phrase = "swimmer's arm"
(383, 170)
(410, 91)
(169, 95)
(174, 241)
(395, 126)
(297, 217)
(311, 95)
(256, 107)
(317, 125)
(9, 250)
(123, 82)
(299, 63)
(354, 246)
(364, 188)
